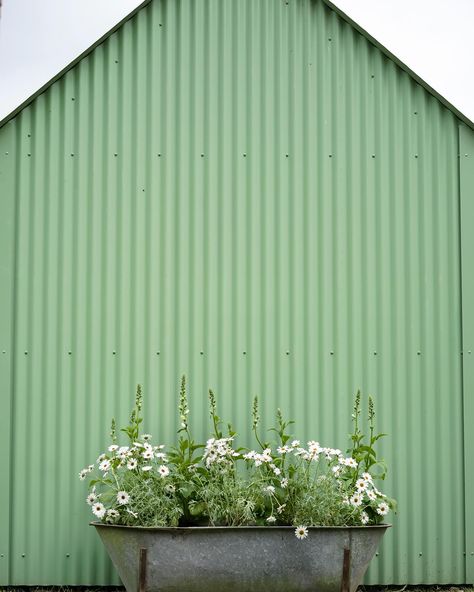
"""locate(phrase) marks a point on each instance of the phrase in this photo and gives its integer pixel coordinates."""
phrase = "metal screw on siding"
(330, 156)
(26, 353)
(415, 112)
(116, 61)
(4, 352)
(29, 135)
(287, 155)
(375, 353)
(329, 39)
(418, 353)
(376, 554)
(244, 353)
(72, 153)
(69, 353)
(68, 555)
(465, 155)
(23, 554)
(202, 155)
(287, 353)
(373, 76)
(244, 154)
(416, 155)
(157, 353)
(373, 155)
(202, 353)
(29, 153)
(2, 555)
(420, 554)
(115, 154)
(113, 353)
(159, 154)
(6, 153)
(73, 99)
(469, 352)
(332, 353)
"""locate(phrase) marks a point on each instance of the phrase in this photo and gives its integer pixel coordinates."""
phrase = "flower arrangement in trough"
(280, 483)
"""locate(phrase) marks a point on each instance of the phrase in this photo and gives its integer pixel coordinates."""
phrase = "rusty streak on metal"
(346, 569)
(142, 570)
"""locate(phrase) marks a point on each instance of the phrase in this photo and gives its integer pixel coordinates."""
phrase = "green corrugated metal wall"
(251, 193)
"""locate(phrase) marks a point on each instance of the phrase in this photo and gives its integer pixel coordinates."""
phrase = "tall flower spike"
(183, 404)
(255, 415)
(113, 434)
(139, 397)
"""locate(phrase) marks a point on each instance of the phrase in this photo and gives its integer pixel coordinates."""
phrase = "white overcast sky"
(434, 38)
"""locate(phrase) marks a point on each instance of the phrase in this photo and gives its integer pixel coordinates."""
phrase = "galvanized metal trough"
(240, 559)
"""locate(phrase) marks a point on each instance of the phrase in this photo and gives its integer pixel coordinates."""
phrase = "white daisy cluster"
(367, 495)
(219, 451)
(141, 456)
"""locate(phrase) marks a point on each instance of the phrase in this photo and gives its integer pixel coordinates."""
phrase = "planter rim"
(232, 528)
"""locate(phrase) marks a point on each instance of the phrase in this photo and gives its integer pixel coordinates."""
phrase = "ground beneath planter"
(449, 588)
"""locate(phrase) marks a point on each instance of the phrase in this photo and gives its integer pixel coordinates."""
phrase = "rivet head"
(29, 153)
(4, 352)
(26, 353)
(202, 155)
(420, 554)
(375, 353)
(416, 155)
(469, 351)
(72, 153)
(157, 353)
(332, 353)
(68, 555)
(115, 154)
(418, 353)
(376, 554)
(373, 155)
(287, 353)
(159, 153)
(201, 352)
(69, 353)
(113, 353)
(244, 154)
(6, 153)
(244, 353)
(23, 554)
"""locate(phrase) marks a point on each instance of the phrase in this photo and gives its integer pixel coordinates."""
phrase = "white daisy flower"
(147, 468)
(275, 469)
(283, 449)
(83, 474)
(361, 484)
(112, 516)
(382, 509)
(271, 519)
(123, 498)
(164, 471)
(169, 488)
(336, 470)
(356, 499)
(146, 437)
(101, 458)
(301, 532)
(99, 510)
(148, 454)
(284, 483)
(346, 501)
(104, 465)
(132, 464)
(113, 447)
(281, 508)
(350, 462)
(364, 517)
(295, 443)
(161, 455)
(371, 495)
(269, 489)
(90, 468)
(367, 477)
(91, 499)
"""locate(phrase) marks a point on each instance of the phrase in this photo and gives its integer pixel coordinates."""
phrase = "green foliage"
(282, 483)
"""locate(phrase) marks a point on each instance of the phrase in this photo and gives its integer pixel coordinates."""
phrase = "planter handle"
(346, 571)
(142, 570)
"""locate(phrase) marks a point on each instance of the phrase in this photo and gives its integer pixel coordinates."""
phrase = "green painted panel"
(466, 163)
(252, 193)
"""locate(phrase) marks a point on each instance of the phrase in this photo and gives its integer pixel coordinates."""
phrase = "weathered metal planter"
(241, 559)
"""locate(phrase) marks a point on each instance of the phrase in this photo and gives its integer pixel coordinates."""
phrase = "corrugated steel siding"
(251, 193)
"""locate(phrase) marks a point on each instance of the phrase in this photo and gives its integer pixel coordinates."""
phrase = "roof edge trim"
(401, 64)
(71, 65)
